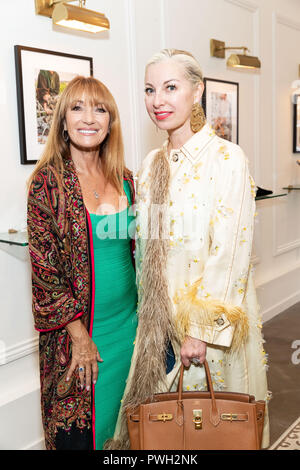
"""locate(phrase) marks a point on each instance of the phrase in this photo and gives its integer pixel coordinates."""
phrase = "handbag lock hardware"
(229, 417)
(164, 417)
(197, 414)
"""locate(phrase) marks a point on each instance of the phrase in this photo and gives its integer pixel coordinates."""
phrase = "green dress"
(115, 319)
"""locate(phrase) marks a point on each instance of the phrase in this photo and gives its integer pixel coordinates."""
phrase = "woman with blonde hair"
(81, 231)
(195, 212)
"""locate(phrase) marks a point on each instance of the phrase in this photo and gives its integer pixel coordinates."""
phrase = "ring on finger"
(81, 369)
(195, 360)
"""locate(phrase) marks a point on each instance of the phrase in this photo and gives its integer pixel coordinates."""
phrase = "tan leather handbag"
(197, 420)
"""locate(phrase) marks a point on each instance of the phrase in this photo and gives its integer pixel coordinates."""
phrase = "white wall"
(270, 28)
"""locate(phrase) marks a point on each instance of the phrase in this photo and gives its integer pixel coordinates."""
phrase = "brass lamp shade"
(79, 18)
(243, 61)
(217, 49)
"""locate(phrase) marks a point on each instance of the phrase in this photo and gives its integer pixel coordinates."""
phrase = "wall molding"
(133, 80)
(39, 444)
(20, 416)
(257, 100)
(163, 26)
(285, 281)
(18, 350)
(280, 307)
(281, 19)
(277, 19)
(286, 247)
(274, 125)
(250, 6)
(254, 9)
(294, 270)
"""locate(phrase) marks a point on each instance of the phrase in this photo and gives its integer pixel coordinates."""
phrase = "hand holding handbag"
(197, 420)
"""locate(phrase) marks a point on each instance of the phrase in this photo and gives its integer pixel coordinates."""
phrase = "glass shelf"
(270, 196)
(18, 238)
(292, 187)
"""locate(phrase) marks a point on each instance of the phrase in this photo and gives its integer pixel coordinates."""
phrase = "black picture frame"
(296, 124)
(226, 125)
(28, 61)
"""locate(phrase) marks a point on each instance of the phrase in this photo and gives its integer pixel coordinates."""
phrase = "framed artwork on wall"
(220, 102)
(41, 76)
(296, 124)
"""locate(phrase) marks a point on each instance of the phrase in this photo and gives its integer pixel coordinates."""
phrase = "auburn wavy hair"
(111, 150)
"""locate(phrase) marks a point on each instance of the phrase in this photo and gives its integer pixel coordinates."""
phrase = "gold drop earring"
(198, 119)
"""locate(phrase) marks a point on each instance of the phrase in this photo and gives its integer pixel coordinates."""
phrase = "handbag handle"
(215, 419)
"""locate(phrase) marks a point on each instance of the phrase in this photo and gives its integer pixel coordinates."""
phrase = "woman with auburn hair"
(81, 231)
(195, 215)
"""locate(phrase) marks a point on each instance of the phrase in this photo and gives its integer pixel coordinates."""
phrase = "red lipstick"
(162, 115)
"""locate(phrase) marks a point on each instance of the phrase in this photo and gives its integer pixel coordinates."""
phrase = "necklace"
(95, 193)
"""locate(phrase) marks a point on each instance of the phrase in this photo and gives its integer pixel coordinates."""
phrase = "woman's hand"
(192, 348)
(84, 354)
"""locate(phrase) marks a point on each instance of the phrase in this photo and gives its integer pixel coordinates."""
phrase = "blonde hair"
(192, 68)
(111, 150)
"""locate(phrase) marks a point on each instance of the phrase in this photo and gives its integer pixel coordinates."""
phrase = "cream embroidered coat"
(211, 212)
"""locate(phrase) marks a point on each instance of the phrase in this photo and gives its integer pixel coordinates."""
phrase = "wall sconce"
(217, 49)
(70, 16)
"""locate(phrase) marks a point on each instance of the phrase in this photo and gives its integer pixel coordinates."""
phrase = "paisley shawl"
(62, 289)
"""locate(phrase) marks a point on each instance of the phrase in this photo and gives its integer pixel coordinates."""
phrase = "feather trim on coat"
(209, 316)
(154, 331)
